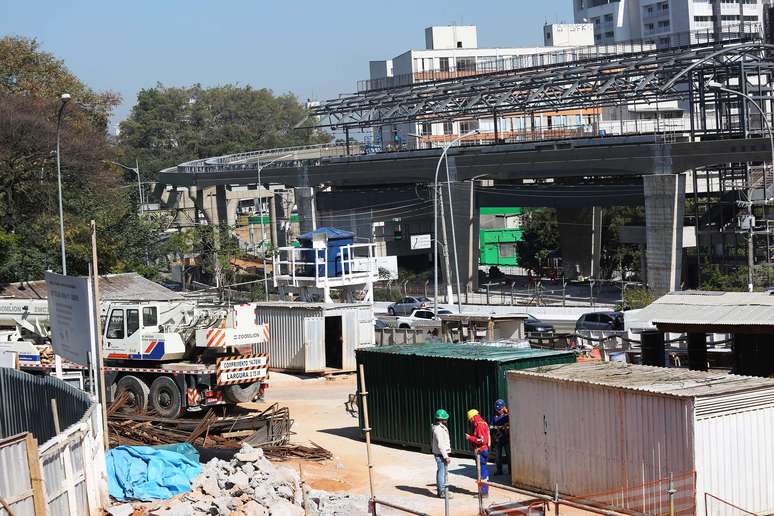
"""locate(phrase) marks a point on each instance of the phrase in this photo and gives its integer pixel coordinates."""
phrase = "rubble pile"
(250, 485)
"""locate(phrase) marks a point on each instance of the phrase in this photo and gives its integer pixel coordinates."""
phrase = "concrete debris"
(178, 509)
(125, 509)
(250, 485)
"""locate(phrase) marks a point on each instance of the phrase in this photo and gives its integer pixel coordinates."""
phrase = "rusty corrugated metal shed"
(128, 286)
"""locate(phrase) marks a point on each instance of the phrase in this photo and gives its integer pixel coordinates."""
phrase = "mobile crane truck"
(169, 356)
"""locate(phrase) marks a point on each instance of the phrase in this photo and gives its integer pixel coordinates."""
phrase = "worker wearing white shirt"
(441, 450)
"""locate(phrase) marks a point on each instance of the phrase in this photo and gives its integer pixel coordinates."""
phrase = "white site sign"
(71, 315)
(421, 241)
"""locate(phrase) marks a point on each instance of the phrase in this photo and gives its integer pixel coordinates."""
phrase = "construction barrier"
(671, 495)
(400, 336)
(64, 476)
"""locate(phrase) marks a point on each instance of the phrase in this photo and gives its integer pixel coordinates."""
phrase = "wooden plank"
(36, 476)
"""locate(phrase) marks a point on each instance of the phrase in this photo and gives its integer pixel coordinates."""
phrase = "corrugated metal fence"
(25, 404)
(70, 464)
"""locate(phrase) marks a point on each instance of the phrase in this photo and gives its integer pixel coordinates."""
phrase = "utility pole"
(449, 290)
(65, 98)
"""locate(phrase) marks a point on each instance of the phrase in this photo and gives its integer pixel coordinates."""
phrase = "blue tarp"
(147, 473)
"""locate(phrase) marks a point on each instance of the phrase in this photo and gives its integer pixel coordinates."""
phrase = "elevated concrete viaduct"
(357, 192)
(717, 132)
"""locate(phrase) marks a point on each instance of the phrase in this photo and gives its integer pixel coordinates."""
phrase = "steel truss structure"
(648, 76)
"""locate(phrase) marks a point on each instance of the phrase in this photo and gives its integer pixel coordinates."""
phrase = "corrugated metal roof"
(482, 317)
(309, 306)
(711, 308)
(476, 352)
(658, 380)
(128, 286)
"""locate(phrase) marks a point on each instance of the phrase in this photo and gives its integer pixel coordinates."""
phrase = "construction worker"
(500, 424)
(441, 450)
(480, 442)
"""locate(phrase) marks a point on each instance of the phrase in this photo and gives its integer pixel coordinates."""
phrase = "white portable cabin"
(613, 434)
(315, 337)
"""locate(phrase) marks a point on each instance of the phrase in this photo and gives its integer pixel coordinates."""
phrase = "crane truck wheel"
(243, 393)
(137, 402)
(165, 397)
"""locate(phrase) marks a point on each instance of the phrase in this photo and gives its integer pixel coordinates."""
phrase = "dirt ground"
(401, 476)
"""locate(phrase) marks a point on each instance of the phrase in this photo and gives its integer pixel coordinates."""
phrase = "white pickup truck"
(421, 318)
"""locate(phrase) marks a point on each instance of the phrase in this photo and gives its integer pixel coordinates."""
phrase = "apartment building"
(452, 52)
(666, 22)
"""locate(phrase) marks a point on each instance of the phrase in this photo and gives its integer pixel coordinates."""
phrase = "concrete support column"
(664, 210)
(194, 194)
(307, 208)
(464, 210)
(159, 189)
(697, 351)
(580, 241)
(221, 204)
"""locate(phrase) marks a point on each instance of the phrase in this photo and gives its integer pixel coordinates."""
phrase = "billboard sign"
(71, 316)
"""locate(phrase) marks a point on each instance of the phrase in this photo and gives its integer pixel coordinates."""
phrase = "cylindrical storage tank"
(407, 384)
(653, 351)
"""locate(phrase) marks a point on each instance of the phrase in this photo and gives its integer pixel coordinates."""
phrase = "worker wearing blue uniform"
(500, 426)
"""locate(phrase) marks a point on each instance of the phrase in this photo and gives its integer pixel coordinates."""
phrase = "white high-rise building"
(666, 22)
(452, 52)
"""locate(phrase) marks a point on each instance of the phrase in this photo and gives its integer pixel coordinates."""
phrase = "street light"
(716, 86)
(64, 99)
(260, 198)
(136, 170)
(260, 211)
(435, 225)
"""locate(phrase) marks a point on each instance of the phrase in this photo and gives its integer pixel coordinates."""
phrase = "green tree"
(28, 71)
(615, 254)
(540, 236)
(171, 125)
(31, 82)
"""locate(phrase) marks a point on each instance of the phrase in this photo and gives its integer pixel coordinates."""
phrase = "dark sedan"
(609, 321)
(535, 325)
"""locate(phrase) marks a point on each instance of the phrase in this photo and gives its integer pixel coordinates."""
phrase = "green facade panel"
(407, 384)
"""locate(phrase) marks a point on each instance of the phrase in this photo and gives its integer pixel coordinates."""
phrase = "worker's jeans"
(502, 457)
(483, 457)
(440, 475)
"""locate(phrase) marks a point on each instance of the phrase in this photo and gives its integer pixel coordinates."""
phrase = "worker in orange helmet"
(480, 442)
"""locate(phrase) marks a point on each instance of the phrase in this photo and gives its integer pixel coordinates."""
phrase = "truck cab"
(132, 331)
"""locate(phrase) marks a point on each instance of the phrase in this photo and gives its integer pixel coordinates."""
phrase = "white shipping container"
(613, 434)
(314, 337)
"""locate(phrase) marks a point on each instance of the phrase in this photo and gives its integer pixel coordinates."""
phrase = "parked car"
(611, 321)
(422, 318)
(380, 324)
(535, 325)
(407, 305)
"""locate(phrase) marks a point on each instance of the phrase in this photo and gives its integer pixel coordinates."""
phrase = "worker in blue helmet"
(499, 424)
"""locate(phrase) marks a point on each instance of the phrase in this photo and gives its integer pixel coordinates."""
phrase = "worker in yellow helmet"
(480, 442)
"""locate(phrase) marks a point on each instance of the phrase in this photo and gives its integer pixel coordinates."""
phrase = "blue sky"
(315, 49)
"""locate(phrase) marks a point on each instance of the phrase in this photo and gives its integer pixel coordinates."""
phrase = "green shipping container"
(406, 384)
